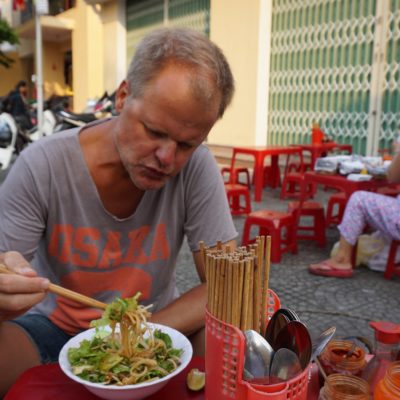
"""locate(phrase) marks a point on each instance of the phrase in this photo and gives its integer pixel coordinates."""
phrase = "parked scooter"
(8, 139)
(13, 138)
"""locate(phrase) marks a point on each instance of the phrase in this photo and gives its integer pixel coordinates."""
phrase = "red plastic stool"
(291, 186)
(235, 193)
(236, 175)
(275, 224)
(310, 209)
(392, 268)
(340, 200)
(294, 176)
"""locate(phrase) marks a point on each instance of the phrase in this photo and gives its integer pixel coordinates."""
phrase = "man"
(16, 105)
(104, 210)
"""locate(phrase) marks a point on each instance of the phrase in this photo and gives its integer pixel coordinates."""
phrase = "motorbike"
(56, 117)
(8, 139)
(66, 119)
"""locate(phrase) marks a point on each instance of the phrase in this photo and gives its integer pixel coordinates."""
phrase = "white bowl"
(127, 392)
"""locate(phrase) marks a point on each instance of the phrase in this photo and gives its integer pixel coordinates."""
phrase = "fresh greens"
(116, 310)
(134, 354)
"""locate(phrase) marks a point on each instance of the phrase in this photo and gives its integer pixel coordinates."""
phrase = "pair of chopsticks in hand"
(60, 291)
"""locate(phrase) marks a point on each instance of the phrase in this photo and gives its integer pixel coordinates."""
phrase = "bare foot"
(338, 264)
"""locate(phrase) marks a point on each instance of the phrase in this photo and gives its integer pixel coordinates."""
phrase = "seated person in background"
(17, 106)
(103, 209)
(380, 212)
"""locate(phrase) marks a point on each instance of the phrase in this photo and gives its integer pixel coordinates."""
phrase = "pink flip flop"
(325, 268)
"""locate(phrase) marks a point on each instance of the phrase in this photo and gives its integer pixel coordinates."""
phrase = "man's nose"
(166, 153)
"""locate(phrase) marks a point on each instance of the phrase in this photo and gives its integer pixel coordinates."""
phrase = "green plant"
(7, 34)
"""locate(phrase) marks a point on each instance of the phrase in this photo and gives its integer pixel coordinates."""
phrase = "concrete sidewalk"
(348, 304)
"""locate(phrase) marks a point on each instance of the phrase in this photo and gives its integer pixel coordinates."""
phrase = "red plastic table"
(259, 153)
(48, 382)
(316, 150)
(342, 183)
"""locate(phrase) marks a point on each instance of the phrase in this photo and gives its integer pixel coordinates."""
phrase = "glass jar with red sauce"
(343, 357)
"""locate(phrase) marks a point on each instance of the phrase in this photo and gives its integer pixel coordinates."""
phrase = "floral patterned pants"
(380, 212)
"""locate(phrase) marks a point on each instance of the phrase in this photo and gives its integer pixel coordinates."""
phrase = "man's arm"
(186, 314)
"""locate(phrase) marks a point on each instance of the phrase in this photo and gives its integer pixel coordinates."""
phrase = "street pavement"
(347, 304)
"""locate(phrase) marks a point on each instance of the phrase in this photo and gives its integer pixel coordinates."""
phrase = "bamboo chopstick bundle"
(257, 287)
(245, 295)
(221, 287)
(237, 283)
(266, 269)
(250, 284)
(235, 293)
(229, 289)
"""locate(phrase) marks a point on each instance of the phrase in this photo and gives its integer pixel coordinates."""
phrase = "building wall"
(113, 18)
(236, 32)
(10, 76)
(87, 53)
(53, 69)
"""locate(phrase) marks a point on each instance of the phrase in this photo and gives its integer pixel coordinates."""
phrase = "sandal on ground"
(325, 268)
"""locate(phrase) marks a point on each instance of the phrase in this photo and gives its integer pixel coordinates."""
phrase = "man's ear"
(121, 96)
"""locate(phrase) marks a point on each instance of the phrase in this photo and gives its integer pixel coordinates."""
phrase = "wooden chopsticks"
(237, 283)
(67, 293)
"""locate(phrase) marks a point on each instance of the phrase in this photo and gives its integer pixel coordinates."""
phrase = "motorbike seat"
(84, 117)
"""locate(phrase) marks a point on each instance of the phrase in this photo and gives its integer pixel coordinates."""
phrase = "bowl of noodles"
(124, 357)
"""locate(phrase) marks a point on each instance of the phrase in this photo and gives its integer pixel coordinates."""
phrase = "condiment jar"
(340, 356)
(387, 339)
(344, 387)
(388, 388)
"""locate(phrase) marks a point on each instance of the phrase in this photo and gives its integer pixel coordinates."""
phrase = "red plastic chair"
(293, 178)
(236, 174)
(339, 200)
(279, 225)
(392, 268)
(316, 211)
(238, 198)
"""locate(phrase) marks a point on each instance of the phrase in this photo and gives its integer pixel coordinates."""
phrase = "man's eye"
(154, 133)
(185, 146)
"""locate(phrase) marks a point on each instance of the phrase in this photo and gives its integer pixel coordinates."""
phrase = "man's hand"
(19, 291)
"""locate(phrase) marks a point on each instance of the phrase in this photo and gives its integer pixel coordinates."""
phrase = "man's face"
(158, 132)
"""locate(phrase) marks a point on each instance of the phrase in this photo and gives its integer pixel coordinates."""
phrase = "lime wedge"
(195, 379)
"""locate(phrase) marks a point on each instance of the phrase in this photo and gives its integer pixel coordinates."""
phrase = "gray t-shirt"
(51, 212)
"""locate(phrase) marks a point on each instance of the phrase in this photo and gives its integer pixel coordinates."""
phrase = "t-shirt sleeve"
(22, 210)
(208, 216)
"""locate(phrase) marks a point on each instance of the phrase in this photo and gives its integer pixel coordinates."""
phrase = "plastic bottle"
(387, 339)
(388, 388)
(317, 135)
(339, 356)
(344, 387)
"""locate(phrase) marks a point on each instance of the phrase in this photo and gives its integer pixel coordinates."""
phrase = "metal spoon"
(290, 314)
(258, 356)
(295, 336)
(278, 320)
(322, 340)
(285, 364)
